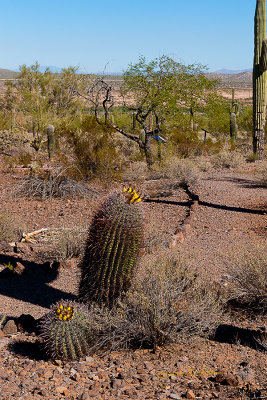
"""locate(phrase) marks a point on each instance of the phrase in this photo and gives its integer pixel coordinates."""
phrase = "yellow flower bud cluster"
(64, 313)
(131, 195)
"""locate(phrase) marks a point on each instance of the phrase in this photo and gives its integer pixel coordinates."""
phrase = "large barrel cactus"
(112, 247)
(66, 331)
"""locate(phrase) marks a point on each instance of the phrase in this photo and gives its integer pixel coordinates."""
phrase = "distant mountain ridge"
(231, 71)
(7, 74)
(55, 69)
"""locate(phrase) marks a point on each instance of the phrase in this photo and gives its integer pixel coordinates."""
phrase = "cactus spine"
(259, 77)
(66, 331)
(50, 141)
(112, 247)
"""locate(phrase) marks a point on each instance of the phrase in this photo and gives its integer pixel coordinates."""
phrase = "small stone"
(89, 359)
(3, 342)
(18, 269)
(58, 362)
(48, 374)
(21, 248)
(70, 264)
(3, 374)
(10, 328)
(190, 394)
(6, 247)
(74, 374)
(116, 383)
(175, 396)
(84, 395)
(62, 390)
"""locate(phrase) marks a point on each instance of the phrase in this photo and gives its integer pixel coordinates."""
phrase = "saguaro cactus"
(259, 77)
(112, 246)
(50, 141)
(233, 117)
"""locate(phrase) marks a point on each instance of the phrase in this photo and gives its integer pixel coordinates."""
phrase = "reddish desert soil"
(229, 219)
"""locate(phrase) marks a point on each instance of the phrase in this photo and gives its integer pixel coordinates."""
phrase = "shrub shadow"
(31, 286)
(240, 336)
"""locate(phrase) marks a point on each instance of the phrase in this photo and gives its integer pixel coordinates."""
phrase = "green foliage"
(66, 331)
(165, 88)
(251, 158)
(246, 120)
(186, 143)
(41, 98)
(112, 247)
(95, 151)
(215, 117)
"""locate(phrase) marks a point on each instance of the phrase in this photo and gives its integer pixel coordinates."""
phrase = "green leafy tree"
(44, 98)
(158, 93)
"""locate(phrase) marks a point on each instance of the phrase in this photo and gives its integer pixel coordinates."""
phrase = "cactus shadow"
(32, 350)
(32, 285)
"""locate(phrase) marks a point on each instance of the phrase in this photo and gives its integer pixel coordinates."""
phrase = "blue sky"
(93, 34)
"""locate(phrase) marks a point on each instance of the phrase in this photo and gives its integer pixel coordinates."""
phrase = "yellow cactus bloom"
(64, 313)
(131, 195)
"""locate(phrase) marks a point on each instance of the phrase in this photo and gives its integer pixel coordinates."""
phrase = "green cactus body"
(66, 331)
(259, 77)
(50, 141)
(112, 247)
(233, 117)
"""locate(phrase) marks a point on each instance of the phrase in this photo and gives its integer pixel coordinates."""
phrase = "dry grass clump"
(64, 243)
(227, 159)
(262, 177)
(53, 185)
(247, 286)
(167, 300)
(181, 170)
(174, 169)
(11, 227)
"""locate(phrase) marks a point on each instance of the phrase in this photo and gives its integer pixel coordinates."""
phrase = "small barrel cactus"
(66, 331)
(112, 247)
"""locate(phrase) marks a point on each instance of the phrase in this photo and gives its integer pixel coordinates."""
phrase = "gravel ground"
(230, 219)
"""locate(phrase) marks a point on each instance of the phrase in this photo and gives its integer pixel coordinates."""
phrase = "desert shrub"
(49, 184)
(5, 120)
(66, 243)
(227, 159)
(11, 227)
(252, 157)
(186, 143)
(167, 300)
(93, 148)
(173, 171)
(181, 170)
(262, 177)
(245, 120)
(24, 158)
(247, 283)
(10, 140)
